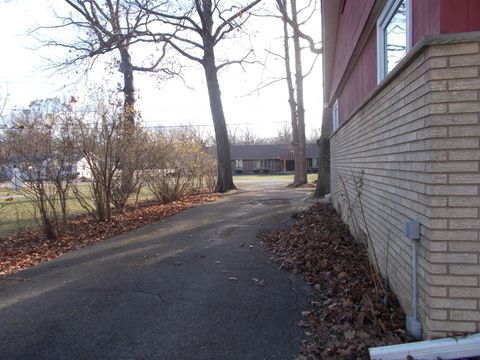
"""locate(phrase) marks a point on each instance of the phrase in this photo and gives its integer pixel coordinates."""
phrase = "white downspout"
(414, 279)
(412, 232)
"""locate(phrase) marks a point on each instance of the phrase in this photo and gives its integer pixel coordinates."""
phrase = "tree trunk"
(291, 90)
(301, 155)
(128, 123)
(63, 193)
(323, 181)
(126, 68)
(224, 179)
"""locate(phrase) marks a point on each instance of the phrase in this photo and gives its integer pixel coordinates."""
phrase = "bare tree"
(233, 137)
(284, 135)
(195, 31)
(290, 17)
(293, 36)
(248, 137)
(323, 183)
(313, 136)
(296, 25)
(201, 134)
(110, 26)
(102, 27)
(297, 180)
(245, 136)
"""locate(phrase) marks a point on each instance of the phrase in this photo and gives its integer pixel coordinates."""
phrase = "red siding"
(429, 17)
(361, 81)
(425, 19)
(460, 16)
(350, 27)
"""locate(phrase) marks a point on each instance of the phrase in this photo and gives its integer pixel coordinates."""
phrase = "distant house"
(269, 158)
(81, 169)
(77, 169)
(401, 98)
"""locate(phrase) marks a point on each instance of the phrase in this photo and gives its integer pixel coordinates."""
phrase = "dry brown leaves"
(30, 247)
(350, 314)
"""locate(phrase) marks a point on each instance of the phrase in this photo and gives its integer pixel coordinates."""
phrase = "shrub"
(179, 165)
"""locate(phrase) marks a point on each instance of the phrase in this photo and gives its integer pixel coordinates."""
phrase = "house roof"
(263, 152)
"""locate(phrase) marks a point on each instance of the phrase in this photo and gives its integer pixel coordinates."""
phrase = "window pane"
(396, 37)
(335, 115)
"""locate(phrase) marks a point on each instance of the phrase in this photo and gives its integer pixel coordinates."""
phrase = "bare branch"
(264, 85)
(233, 17)
(239, 62)
(183, 52)
(309, 71)
(296, 28)
(179, 20)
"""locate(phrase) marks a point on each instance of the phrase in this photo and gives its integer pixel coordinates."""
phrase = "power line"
(158, 126)
(210, 125)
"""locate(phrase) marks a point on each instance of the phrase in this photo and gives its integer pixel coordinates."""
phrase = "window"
(267, 163)
(393, 35)
(239, 164)
(336, 122)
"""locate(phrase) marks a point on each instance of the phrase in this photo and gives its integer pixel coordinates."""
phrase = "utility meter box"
(412, 229)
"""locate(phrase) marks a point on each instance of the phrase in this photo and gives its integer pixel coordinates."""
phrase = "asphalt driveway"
(194, 286)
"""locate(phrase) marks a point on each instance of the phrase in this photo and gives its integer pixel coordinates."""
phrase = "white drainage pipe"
(414, 327)
(412, 232)
(446, 349)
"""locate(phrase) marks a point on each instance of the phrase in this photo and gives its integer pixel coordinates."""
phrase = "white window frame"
(384, 19)
(239, 164)
(335, 117)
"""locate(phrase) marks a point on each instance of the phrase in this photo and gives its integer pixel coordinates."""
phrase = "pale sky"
(165, 104)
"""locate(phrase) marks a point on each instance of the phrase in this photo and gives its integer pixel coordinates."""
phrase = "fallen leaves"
(349, 314)
(30, 247)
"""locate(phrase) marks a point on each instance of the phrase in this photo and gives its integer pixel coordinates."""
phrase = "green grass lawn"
(5, 191)
(287, 177)
(19, 212)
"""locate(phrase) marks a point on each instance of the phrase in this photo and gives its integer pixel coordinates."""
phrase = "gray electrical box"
(412, 229)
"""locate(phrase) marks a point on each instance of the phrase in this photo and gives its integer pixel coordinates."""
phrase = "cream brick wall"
(414, 148)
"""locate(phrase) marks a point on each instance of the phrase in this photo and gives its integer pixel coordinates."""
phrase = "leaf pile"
(350, 314)
(30, 247)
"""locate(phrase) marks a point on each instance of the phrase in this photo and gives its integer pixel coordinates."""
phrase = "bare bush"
(100, 141)
(40, 144)
(207, 177)
(179, 165)
(131, 176)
